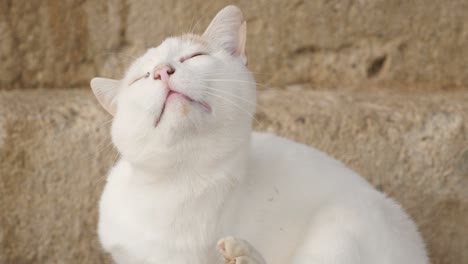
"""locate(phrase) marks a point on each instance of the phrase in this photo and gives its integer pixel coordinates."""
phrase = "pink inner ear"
(228, 30)
(105, 91)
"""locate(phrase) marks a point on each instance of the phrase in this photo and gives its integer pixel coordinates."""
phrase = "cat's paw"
(236, 251)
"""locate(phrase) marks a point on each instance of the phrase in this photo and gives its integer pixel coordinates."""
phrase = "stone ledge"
(54, 153)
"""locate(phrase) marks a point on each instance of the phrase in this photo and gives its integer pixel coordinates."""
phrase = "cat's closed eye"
(192, 56)
(146, 75)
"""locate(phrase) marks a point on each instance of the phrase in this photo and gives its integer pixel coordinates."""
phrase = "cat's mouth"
(175, 95)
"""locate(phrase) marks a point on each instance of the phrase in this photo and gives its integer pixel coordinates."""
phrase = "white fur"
(198, 176)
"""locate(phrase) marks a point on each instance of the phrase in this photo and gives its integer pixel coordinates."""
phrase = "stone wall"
(381, 85)
(334, 44)
(55, 151)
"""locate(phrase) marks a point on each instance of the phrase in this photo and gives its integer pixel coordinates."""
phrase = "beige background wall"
(382, 85)
(335, 44)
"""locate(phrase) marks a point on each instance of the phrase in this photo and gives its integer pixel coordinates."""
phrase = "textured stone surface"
(335, 44)
(53, 160)
(54, 153)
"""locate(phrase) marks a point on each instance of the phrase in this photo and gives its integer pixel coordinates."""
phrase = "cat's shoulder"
(271, 148)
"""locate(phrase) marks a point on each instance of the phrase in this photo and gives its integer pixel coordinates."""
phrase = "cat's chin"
(179, 102)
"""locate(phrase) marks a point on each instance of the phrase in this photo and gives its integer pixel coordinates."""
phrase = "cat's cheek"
(143, 102)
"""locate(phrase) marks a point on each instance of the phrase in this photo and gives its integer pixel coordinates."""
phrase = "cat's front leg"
(239, 251)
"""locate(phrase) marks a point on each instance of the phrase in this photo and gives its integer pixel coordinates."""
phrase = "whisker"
(229, 80)
(100, 150)
(190, 29)
(234, 96)
(263, 85)
(104, 177)
(233, 104)
(202, 77)
(226, 73)
(196, 24)
(194, 123)
(260, 107)
(240, 98)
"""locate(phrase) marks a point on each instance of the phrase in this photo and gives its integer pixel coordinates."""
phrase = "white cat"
(192, 172)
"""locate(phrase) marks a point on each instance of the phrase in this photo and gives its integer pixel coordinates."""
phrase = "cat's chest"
(141, 221)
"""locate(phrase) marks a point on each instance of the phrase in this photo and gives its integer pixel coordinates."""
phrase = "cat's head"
(190, 92)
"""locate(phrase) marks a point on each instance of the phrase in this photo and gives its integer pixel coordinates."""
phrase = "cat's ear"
(105, 91)
(229, 30)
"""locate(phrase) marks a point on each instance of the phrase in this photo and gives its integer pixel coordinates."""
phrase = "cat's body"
(192, 172)
(292, 202)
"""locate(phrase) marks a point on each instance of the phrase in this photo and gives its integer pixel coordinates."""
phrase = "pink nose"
(162, 72)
